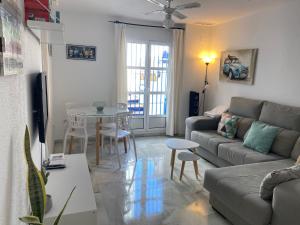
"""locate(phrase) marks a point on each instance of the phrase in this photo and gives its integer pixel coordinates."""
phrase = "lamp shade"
(208, 57)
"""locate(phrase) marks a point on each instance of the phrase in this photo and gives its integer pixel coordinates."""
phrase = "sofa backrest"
(284, 142)
(281, 116)
(287, 118)
(243, 126)
(296, 151)
(245, 107)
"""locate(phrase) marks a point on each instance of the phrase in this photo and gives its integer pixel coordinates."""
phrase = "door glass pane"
(136, 70)
(136, 80)
(159, 56)
(136, 54)
(158, 105)
(158, 80)
(136, 103)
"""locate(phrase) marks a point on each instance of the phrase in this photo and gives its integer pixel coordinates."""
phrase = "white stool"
(188, 157)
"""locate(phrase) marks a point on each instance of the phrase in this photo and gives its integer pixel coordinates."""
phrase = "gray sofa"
(234, 188)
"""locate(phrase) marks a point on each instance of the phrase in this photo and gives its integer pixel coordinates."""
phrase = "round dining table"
(92, 112)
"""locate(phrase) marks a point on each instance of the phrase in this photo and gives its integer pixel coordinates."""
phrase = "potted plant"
(36, 189)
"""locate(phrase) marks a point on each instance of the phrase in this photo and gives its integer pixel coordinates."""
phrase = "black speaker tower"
(194, 104)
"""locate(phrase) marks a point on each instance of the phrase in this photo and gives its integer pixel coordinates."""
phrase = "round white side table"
(179, 144)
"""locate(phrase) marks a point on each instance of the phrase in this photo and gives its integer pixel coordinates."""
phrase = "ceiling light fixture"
(170, 11)
(168, 22)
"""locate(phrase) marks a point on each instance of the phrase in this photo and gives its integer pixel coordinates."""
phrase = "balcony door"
(147, 78)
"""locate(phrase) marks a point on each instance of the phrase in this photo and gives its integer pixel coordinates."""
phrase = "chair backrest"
(76, 121)
(123, 120)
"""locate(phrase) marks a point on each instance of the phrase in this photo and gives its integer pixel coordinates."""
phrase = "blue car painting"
(234, 69)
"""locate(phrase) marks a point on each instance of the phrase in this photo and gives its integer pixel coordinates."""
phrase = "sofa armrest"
(286, 203)
(200, 123)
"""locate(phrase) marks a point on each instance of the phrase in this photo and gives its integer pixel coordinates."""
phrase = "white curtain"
(120, 32)
(174, 81)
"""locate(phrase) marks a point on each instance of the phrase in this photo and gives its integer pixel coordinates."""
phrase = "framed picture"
(11, 40)
(81, 52)
(238, 66)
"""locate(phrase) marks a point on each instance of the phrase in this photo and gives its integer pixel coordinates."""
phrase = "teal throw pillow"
(260, 137)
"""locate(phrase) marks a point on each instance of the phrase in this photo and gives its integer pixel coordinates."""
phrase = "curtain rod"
(143, 25)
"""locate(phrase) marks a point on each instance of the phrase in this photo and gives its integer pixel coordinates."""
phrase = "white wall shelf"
(46, 32)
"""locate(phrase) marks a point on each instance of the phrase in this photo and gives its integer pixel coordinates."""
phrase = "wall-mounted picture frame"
(11, 39)
(238, 66)
(81, 52)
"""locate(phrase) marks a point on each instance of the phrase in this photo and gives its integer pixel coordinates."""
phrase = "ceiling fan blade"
(188, 6)
(179, 15)
(155, 2)
(154, 12)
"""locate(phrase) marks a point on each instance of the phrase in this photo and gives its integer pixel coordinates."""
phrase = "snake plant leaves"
(45, 175)
(63, 209)
(31, 220)
(35, 183)
(36, 188)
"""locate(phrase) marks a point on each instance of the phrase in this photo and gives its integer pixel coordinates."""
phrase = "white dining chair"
(112, 125)
(69, 106)
(77, 128)
(120, 106)
(122, 129)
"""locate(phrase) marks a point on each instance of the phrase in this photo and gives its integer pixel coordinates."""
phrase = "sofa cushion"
(260, 137)
(243, 126)
(241, 185)
(275, 178)
(296, 151)
(228, 125)
(210, 140)
(285, 142)
(281, 115)
(245, 107)
(237, 154)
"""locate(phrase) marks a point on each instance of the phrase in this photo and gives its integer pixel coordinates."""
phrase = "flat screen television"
(41, 105)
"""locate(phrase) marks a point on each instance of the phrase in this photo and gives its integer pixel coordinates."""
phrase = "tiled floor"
(142, 193)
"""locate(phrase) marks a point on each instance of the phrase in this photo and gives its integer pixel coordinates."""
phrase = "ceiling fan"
(172, 11)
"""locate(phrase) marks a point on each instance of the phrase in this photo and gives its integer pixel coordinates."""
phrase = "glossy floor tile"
(142, 193)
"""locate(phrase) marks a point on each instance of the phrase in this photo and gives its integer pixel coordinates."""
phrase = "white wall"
(159, 35)
(83, 81)
(16, 112)
(276, 33)
(197, 40)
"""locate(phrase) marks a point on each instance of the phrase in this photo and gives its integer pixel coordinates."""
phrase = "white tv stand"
(82, 207)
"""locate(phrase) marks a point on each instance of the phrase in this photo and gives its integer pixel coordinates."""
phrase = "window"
(147, 75)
